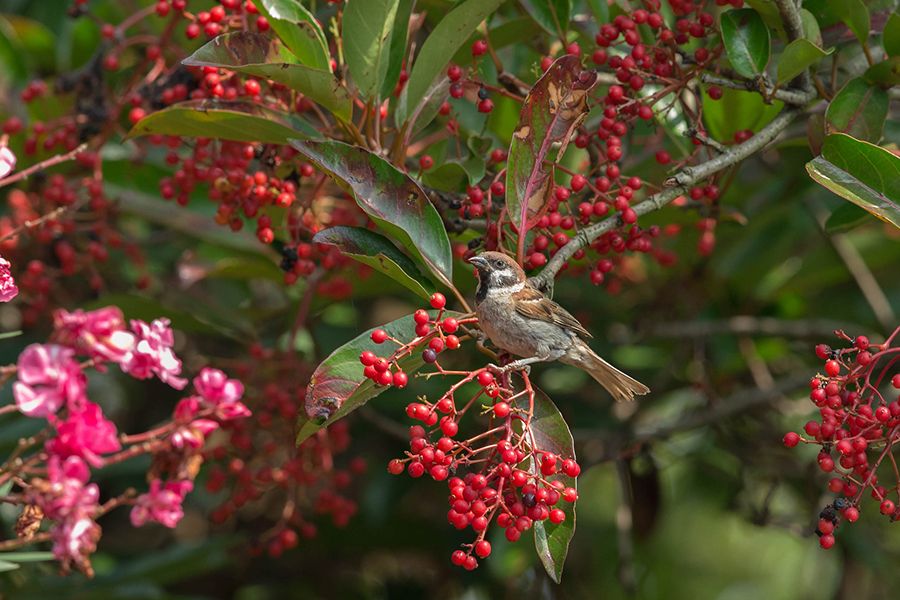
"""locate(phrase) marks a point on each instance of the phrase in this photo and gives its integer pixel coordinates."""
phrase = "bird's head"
(497, 270)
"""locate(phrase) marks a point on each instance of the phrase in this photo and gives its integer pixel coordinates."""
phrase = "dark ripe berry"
(400, 379)
(823, 351)
(438, 301)
(379, 336)
(429, 355)
(715, 92)
(832, 368)
(485, 106)
(395, 467)
(367, 358)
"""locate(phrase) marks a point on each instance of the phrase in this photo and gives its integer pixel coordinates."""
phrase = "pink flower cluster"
(8, 287)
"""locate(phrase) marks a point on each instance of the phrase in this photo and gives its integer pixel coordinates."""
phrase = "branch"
(792, 97)
(44, 164)
(680, 183)
(793, 26)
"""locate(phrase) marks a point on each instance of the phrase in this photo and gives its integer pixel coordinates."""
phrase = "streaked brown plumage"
(521, 320)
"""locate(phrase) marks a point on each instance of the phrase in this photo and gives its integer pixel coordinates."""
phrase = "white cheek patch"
(507, 290)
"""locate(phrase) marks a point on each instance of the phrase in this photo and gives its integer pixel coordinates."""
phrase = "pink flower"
(74, 540)
(8, 287)
(85, 433)
(48, 378)
(153, 354)
(7, 161)
(194, 434)
(221, 393)
(99, 333)
(161, 504)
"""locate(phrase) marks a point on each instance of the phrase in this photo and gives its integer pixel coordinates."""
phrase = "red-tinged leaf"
(555, 107)
(390, 197)
(858, 109)
(338, 386)
(551, 433)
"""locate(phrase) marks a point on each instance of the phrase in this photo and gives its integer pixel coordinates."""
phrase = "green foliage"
(746, 39)
(299, 30)
(798, 56)
(367, 27)
(859, 110)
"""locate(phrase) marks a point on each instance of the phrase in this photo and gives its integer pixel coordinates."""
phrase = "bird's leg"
(525, 363)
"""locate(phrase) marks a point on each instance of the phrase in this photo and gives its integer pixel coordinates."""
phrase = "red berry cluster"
(858, 426)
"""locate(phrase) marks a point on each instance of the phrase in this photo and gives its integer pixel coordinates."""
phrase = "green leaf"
(260, 55)
(890, 38)
(299, 30)
(735, 111)
(845, 217)
(863, 173)
(366, 31)
(378, 252)
(886, 73)
(746, 39)
(21, 557)
(237, 120)
(455, 175)
(600, 9)
(449, 34)
(245, 268)
(394, 201)
(552, 15)
(858, 109)
(798, 56)
(338, 386)
(10, 334)
(553, 110)
(8, 566)
(505, 34)
(811, 30)
(855, 15)
(397, 53)
(551, 433)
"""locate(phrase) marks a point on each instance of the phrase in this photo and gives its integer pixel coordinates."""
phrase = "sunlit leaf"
(366, 32)
(858, 109)
(798, 56)
(378, 252)
(299, 30)
(390, 197)
(746, 39)
(863, 173)
(262, 56)
(553, 110)
(735, 111)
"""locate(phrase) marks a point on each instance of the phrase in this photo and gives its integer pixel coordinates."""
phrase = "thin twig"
(44, 164)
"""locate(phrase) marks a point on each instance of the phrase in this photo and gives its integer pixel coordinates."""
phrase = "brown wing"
(533, 304)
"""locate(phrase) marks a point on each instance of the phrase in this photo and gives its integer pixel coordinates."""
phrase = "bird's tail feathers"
(621, 386)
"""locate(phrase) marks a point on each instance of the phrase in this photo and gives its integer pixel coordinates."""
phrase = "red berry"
(823, 351)
(450, 325)
(862, 342)
(832, 368)
(367, 358)
(438, 301)
(501, 410)
(449, 427)
(557, 516)
(458, 558)
(452, 342)
(887, 507)
(791, 439)
(479, 47)
(395, 467)
(379, 336)
(826, 541)
(421, 317)
(485, 106)
(485, 378)
(426, 162)
(483, 549)
(400, 379)
(851, 514)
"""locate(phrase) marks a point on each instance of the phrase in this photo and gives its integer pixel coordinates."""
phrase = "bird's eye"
(498, 263)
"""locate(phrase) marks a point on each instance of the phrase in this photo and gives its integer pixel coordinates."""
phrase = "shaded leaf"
(238, 121)
(397, 51)
(746, 39)
(551, 433)
(600, 10)
(551, 15)
(798, 56)
(737, 110)
(449, 34)
(148, 309)
(552, 111)
(338, 387)
(378, 252)
(811, 30)
(299, 30)
(262, 56)
(505, 34)
(886, 73)
(863, 173)
(245, 267)
(854, 14)
(366, 32)
(890, 38)
(858, 109)
(394, 201)
(845, 217)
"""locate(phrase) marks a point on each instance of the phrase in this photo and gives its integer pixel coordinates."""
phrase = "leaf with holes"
(863, 173)
(798, 56)
(261, 56)
(237, 121)
(747, 42)
(395, 202)
(858, 109)
(378, 252)
(299, 30)
(551, 433)
(553, 110)
(366, 30)
(338, 387)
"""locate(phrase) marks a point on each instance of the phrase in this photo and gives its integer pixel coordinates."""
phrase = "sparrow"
(520, 319)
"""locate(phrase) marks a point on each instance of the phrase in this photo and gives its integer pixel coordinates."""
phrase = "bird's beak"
(478, 261)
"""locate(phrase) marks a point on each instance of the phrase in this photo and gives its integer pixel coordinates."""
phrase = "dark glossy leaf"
(397, 51)
(238, 121)
(737, 110)
(798, 56)
(553, 110)
(863, 173)
(366, 32)
(551, 433)
(858, 109)
(262, 56)
(451, 33)
(551, 15)
(746, 39)
(394, 201)
(885, 73)
(299, 30)
(378, 252)
(338, 386)
(855, 15)
(845, 217)
(890, 38)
